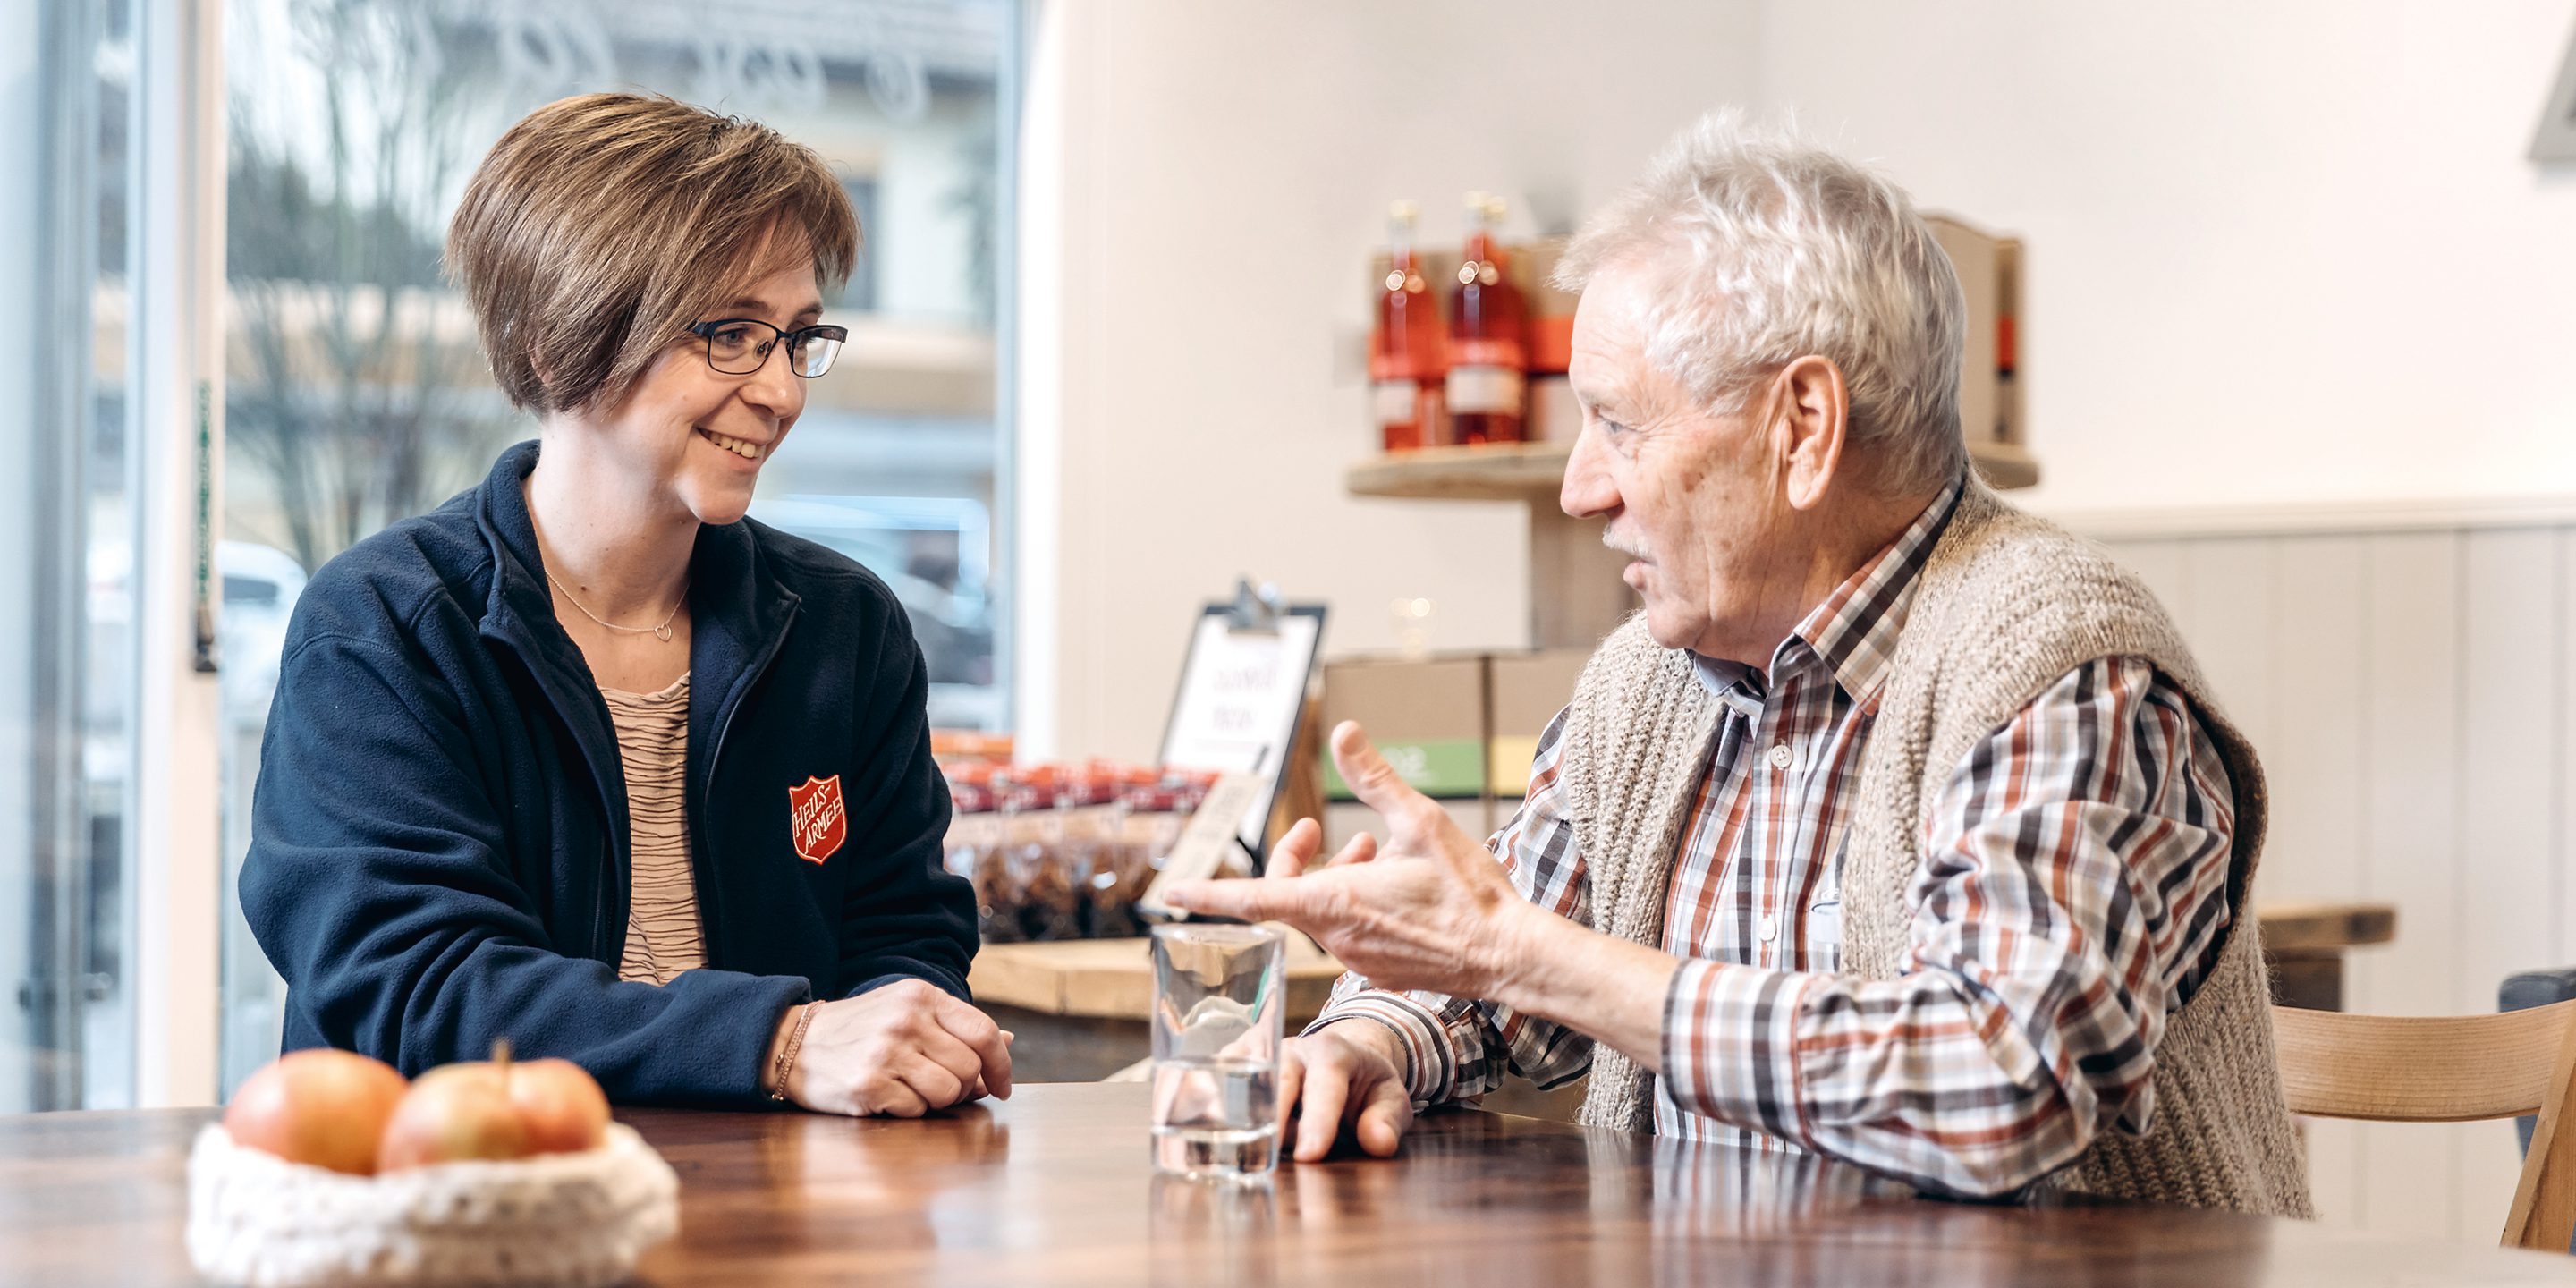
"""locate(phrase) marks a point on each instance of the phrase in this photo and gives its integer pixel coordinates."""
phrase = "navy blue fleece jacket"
(439, 847)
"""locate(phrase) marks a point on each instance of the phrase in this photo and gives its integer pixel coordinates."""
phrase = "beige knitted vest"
(2006, 606)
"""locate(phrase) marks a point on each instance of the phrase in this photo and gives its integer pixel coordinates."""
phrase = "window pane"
(357, 395)
(66, 678)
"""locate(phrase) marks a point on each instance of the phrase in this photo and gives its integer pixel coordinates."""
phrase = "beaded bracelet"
(787, 1056)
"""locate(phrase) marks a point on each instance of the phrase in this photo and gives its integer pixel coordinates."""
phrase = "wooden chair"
(2449, 1069)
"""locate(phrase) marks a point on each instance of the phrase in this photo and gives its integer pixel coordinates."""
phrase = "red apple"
(322, 1107)
(455, 1112)
(560, 1104)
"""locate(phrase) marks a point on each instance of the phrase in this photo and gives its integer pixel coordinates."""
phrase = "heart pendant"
(663, 633)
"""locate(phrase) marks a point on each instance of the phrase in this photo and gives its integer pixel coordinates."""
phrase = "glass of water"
(1218, 1013)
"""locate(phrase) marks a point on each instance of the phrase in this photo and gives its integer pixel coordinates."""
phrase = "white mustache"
(1611, 539)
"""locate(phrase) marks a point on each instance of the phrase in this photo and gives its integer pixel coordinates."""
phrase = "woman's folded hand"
(904, 1050)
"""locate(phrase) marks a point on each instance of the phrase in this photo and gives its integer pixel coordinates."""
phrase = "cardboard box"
(1523, 692)
(1427, 717)
(2008, 316)
(1346, 819)
(1989, 267)
(1460, 727)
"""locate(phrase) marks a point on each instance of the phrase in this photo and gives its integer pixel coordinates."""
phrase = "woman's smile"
(740, 447)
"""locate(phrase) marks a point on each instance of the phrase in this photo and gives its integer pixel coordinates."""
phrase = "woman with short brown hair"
(586, 758)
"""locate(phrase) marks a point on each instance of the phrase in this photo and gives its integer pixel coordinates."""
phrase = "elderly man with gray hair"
(1899, 827)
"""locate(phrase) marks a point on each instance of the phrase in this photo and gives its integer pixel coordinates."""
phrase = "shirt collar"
(1855, 629)
(1733, 683)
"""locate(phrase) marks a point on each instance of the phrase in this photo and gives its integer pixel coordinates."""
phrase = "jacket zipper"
(699, 855)
(617, 840)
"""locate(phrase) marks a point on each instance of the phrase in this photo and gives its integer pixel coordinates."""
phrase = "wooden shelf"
(1534, 471)
(1503, 472)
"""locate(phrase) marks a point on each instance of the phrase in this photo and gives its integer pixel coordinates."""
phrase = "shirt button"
(1770, 927)
(1780, 755)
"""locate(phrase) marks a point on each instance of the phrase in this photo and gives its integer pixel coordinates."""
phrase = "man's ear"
(1814, 417)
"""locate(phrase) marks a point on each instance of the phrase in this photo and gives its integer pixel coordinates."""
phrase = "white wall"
(1204, 182)
(2281, 255)
(2287, 251)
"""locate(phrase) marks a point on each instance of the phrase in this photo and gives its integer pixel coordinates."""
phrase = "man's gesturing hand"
(904, 1049)
(1343, 1077)
(1430, 909)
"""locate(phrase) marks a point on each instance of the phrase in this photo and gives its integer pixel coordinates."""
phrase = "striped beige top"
(662, 931)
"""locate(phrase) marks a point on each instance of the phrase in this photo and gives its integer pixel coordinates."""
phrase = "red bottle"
(1406, 364)
(1488, 359)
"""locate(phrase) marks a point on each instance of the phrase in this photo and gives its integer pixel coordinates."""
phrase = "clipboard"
(1242, 697)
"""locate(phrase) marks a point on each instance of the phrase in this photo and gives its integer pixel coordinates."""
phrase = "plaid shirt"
(2074, 898)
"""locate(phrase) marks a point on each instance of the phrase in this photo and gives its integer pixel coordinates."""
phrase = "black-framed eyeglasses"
(736, 347)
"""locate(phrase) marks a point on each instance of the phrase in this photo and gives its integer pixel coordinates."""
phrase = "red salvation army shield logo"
(816, 819)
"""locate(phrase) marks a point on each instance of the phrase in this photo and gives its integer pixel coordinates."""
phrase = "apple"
(560, 1104)
(321, 1106)
(553, 1106)
(485, 1072)
(456, 1112)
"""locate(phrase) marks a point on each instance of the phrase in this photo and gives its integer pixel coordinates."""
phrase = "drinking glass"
(1218, 1014)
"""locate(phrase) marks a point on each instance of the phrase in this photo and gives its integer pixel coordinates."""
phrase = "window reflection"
(357, 395)
(66, 677)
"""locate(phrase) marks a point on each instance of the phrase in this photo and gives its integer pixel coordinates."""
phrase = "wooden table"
(1053, 1188)
(1079, 1006)
(2304, 946)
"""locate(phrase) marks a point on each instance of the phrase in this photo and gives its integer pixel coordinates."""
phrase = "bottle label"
(1490, 391)
(1398, 402)
(1394, 364)
(1486, 351)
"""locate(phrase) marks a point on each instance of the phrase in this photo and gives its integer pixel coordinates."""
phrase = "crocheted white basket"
(575, 1220)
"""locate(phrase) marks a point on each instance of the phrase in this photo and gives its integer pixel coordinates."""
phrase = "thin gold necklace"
(661, 632)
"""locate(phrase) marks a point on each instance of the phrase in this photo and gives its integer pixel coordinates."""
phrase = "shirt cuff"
(1731, 1047)
(1429, 1069)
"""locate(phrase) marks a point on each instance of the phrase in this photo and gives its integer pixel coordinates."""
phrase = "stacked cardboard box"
(1990, 390)
(1523, 692)
(1460, 728)
(1427, 718)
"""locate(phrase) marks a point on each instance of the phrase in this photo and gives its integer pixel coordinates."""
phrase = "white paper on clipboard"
(1242, 693)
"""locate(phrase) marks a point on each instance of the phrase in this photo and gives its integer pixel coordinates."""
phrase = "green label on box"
(1440, 767)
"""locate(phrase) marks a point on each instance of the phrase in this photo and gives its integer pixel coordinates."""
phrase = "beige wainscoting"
(2406, 676)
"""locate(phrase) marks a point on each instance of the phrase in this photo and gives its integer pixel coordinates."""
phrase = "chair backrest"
(2449, 1069)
